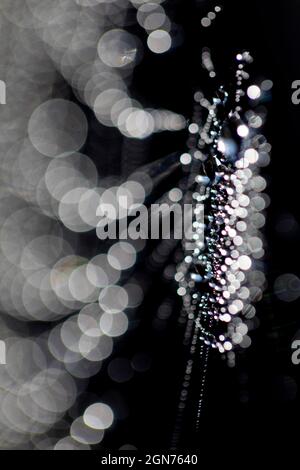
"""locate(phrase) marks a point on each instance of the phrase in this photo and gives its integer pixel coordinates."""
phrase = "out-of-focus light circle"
(254, 92)
(121, 256)
(104, 103)
(88, 320)
(60, 275)
(159, 41)
(135, 294)
(151, 16)
(57, 126)
(227, 346)
(287, 287)
(185, 159)
(251, 155)
(114, 325)
(98, 416)
(130, 193)
(206, 22)
(100, 273)
(85, 434)
(117, 48)
(139, 124)
(221, 146)
(243, 130)
(68, 210)
(244, 262)
(113, 299)
(266, 85)
(80, 287)
(175, 195)
(68, 443)
(68, 172)
(193, 128)
(120, 370)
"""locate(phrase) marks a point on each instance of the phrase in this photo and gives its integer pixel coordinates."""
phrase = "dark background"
(258, 401)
